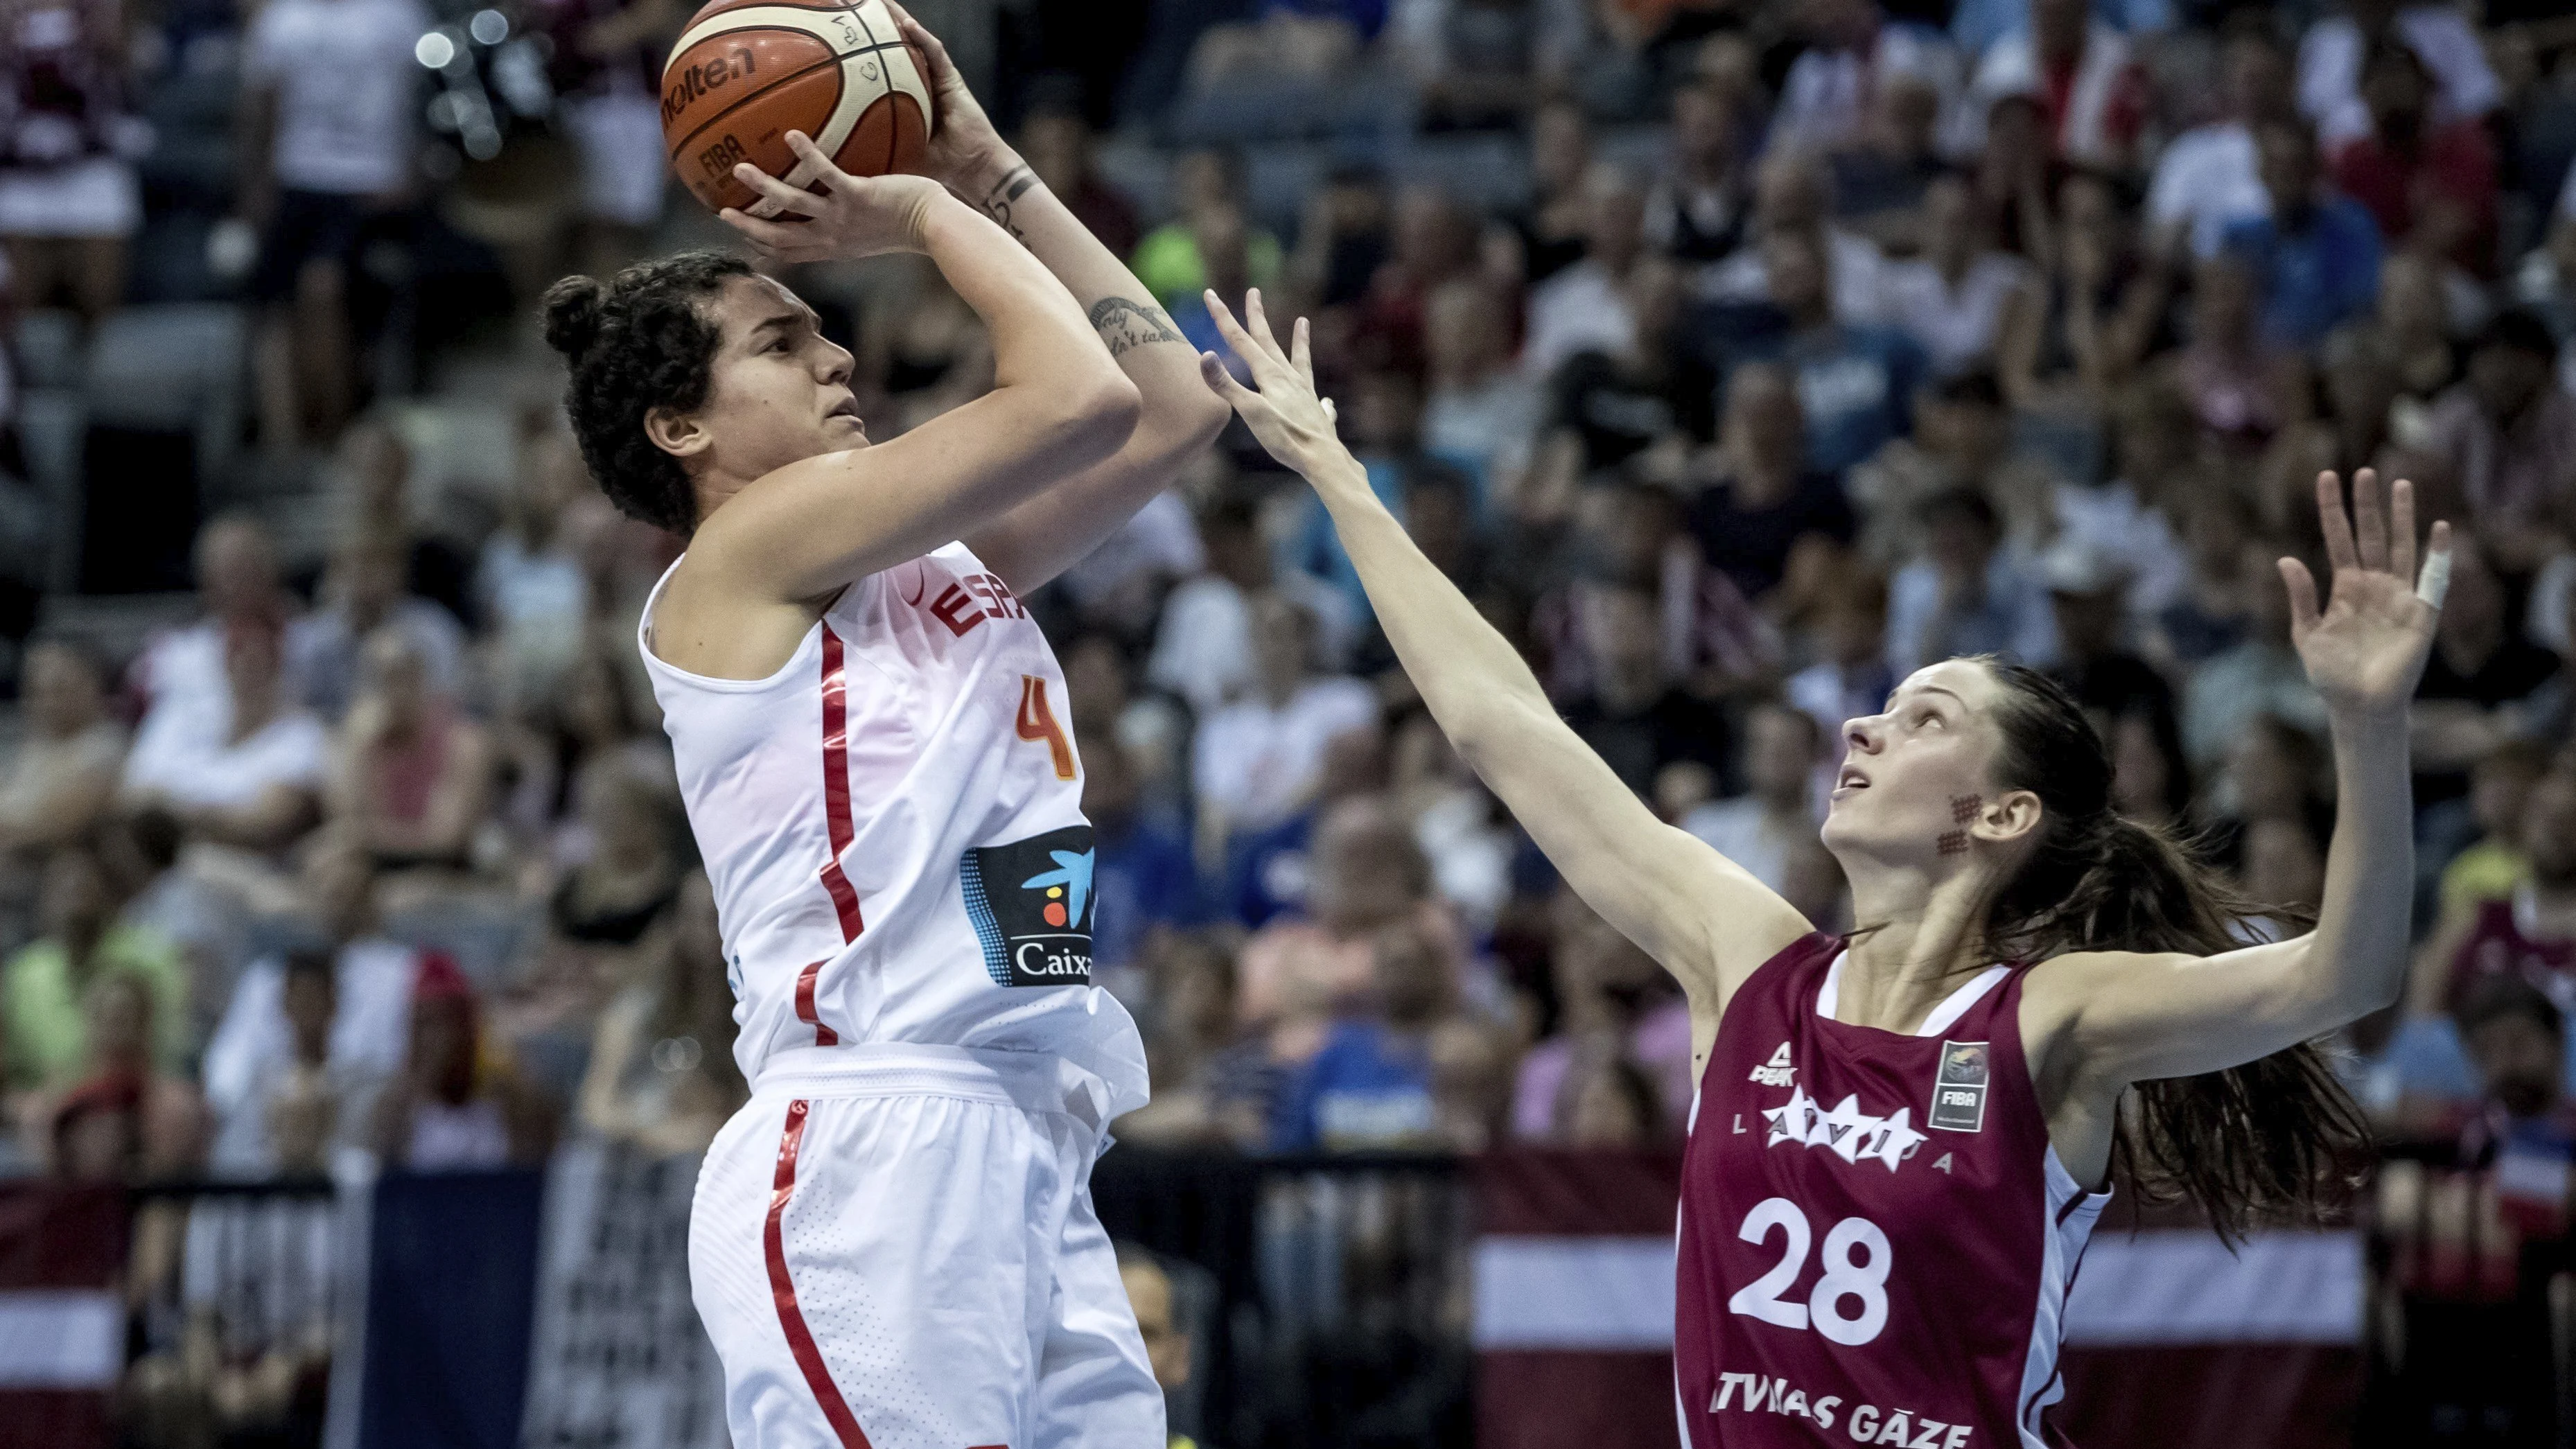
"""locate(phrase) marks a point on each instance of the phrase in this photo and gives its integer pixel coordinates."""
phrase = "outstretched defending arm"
(2135, 1017)
(1705, 918)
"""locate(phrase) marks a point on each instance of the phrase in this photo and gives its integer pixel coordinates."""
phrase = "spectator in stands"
(2315, 259)
(2411, 335)
(1167, 1340)
(1143, 876)
(605, 921)
(371, 987)
(411, 777)
(1769, 494)
(1383, 420)
(69, 201)
(661, 1076)
(2102, 314)
(2258, 675)
(1365, 874)
(47, 990)
(452, 1107)
(2208, 177)
(1967, 593)
(2476, 687)
(1855, 380)
(2239, 379)
(59, 781)
(1480, 408)
(2531, 934)
(257, 784)
(1774, 820)
(1220, 248)
(301, 1107)
(1633, 712)
(1955, 302)
(2088, 588)
(1209, 1085)
(1655, 394)
(2441, 36)
(1468, 60)
(1697, 209)
(125, 1117)
(1287, 39)
(1879, 177)
(2507, 434)
(1203, 644)
(529, 583)
(1552, 230)
(1612, 1003)
(2083, 74)
(2430, 185)
(1368, 1087)
(1584, 306)
(1207, 187)
(1259, 758)
(2517, 1040)
(365, 591)
(1854, 53)
(1343, 238)
(2125, 517)
(2494, 867)
(604, 62)
(180, 673)
(1962, 438)
(1793, 195)
(590, 717)
(1055, 140)
(327, 158)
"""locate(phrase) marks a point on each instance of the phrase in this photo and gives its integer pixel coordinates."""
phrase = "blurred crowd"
(1792, 344)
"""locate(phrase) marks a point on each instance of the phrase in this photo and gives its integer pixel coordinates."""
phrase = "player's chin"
(842, 430)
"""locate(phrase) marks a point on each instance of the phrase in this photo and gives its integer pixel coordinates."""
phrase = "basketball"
(747, 72)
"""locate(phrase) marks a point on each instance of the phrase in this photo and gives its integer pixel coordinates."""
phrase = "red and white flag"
(62, 1323)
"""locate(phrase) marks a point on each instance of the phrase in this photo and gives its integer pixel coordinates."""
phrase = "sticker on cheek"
(1964, 808)
(1954, 842)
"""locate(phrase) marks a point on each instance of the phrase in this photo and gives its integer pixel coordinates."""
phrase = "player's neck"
(1917, 938)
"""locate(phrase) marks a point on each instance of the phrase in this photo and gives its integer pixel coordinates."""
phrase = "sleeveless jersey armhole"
(799, 662)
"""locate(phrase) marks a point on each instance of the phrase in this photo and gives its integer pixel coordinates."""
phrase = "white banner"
(61, 1338)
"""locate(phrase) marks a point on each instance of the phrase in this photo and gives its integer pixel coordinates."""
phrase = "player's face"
(780, 391)
(1910, 772)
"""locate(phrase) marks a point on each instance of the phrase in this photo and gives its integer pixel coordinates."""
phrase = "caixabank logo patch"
(1030, 901)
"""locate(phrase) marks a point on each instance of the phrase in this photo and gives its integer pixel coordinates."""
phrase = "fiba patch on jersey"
(1959, 1090)
(1030, 901)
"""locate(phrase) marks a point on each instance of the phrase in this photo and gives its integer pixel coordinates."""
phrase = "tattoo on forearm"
(1013, 185)
(1124, 324)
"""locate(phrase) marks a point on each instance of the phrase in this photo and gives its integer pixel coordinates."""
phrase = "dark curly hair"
(639, 341)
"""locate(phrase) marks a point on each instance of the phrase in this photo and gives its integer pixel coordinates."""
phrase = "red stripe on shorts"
(823, 1035)
(782, 1289)
(836, 787)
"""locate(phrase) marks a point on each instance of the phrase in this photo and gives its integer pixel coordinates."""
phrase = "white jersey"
(893, 825)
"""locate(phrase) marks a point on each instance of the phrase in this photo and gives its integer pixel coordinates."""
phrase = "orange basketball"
(747, 72)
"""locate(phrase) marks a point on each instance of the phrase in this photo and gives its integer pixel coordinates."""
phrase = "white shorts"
(623, 165)
(893, 1247)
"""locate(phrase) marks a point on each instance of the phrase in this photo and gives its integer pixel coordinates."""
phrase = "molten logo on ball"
(747, 72)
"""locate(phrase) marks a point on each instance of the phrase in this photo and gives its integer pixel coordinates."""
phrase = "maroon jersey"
(1876, 1237)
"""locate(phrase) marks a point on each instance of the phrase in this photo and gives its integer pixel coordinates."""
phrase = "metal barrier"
(237, 1297)
(1330, 1304)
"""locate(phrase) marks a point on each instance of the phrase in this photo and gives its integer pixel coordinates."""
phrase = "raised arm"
(759, 565)
(1040, 538)
(1706, 919)
(2131, 1017)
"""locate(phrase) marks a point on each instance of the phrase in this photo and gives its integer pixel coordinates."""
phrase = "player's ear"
(679, 434)
(2007, 817)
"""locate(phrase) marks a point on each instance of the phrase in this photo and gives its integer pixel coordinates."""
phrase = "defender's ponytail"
(2277, 1139)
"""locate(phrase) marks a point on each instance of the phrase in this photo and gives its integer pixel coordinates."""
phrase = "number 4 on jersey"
(1037, 722)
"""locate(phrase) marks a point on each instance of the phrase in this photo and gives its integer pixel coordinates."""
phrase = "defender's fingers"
(2331, 519)
(1257, 322)
(1301, 351)
(2303, 595)
(1331, 413)
(2401, 528)
(1234, 334)
(2436, 582)
(1213, 370)
(2369, 520)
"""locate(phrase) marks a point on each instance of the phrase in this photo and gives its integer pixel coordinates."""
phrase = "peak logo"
(1776, 1072)
(1846, 1131)
(1030, 902)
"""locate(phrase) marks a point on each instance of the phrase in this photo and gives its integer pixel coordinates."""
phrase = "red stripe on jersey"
(782, 1289)
(823, 1035)
(836, 787)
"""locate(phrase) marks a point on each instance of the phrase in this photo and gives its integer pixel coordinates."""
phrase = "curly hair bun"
(573, 308)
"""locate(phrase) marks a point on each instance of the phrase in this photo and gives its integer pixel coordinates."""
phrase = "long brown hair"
(2277, 1139)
